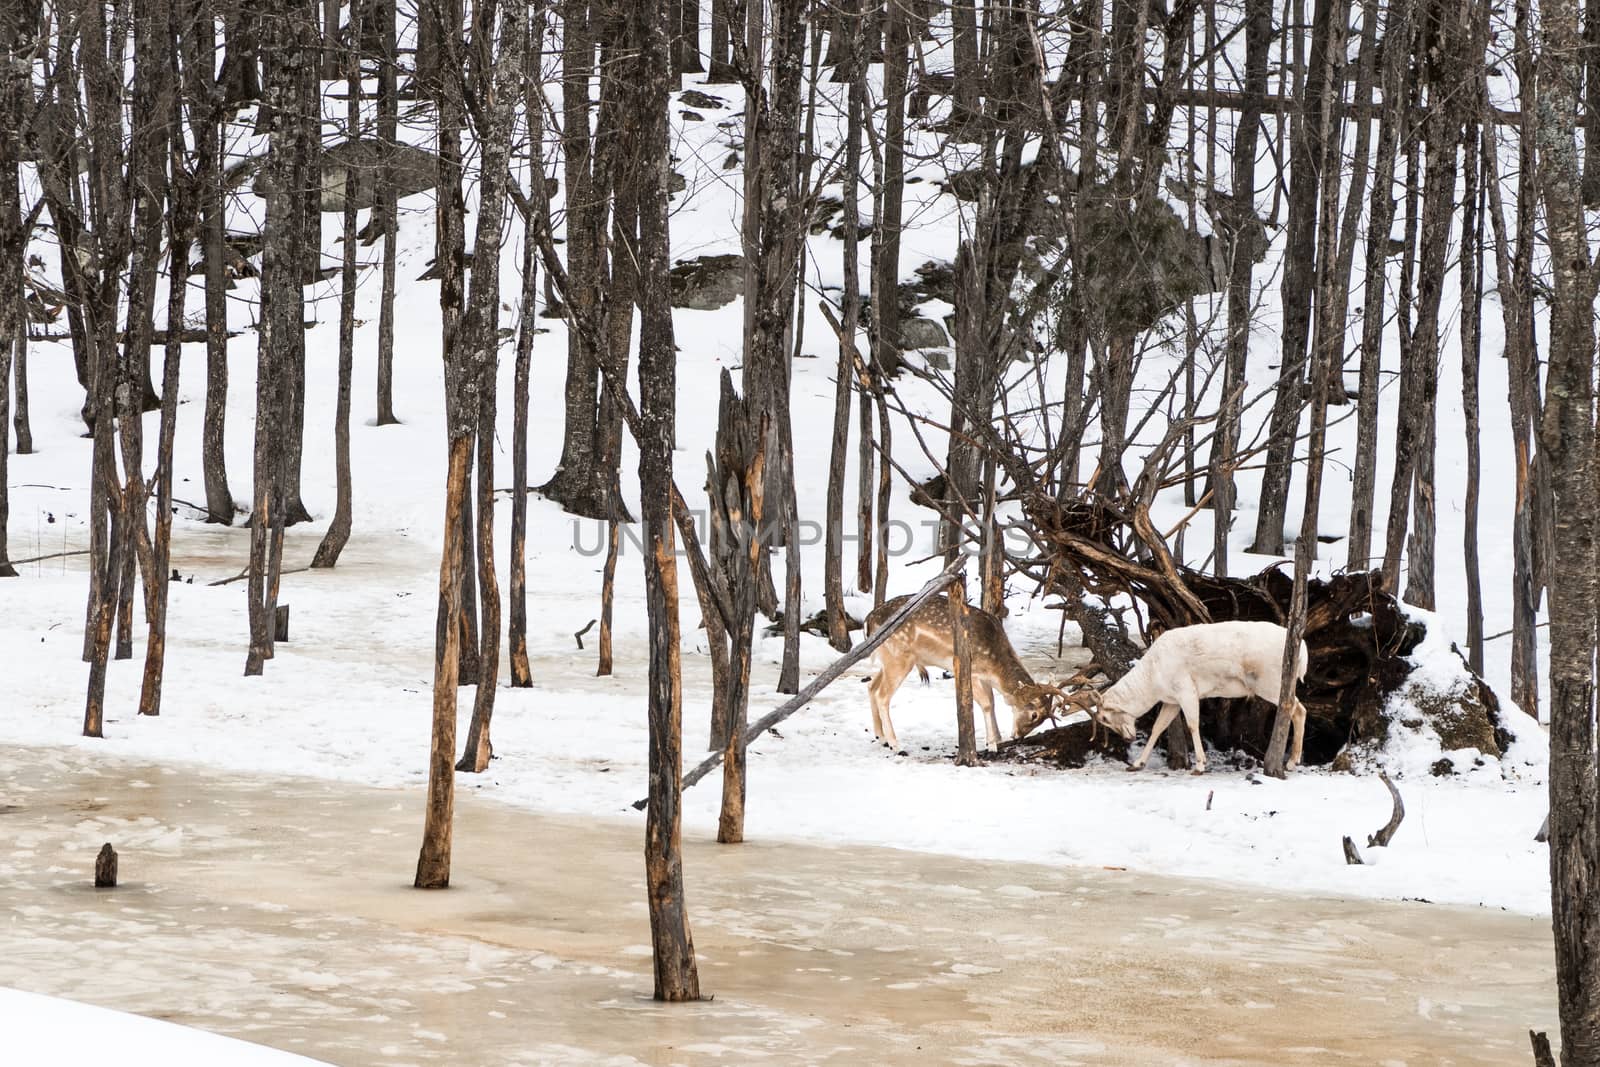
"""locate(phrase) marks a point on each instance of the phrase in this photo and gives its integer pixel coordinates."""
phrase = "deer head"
(1114, 719)
(1036, 704)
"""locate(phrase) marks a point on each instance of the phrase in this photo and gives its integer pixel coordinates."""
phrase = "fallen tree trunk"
(827, 677)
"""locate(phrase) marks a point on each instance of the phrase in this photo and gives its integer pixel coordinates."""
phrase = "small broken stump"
(105, 867)
(280, 623)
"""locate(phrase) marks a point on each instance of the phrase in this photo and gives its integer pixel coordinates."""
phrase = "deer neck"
(1002, 669)
(1133, 692)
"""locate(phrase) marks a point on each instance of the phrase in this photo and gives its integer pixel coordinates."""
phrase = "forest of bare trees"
(1187, 242)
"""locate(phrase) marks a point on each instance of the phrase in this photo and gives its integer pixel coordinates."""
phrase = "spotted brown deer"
(924, 640)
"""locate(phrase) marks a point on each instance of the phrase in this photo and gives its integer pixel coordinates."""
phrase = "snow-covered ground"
(348, 696)
(50, 1030)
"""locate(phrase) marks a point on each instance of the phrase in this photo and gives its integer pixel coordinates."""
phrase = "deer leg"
(883, 688)
(1299, 719)
(1163, 720)
(984, 692)
(1191, 716)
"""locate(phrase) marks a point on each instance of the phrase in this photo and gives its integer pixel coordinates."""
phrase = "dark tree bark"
(833, 579)
(482, 335)
(961, 667)
(240, 77)
(289, 24)
(17, 27)
(445, 88)
(736, 487)
(102, 55)
(182, 219)
(1299, 274)
(306, 122)
(966, 102)
(777, 222)
(686, 41)
(1568, 440)
(888, 196)
(1411, 373)
(388, 209)
(1471, 350)
(721, 67)
(338, 532)
(1450, 82)
(1591, 103)
(614, 177)
(1397, 36)
(433, 861)
(852, 24)
(206, 110)
(1241, 274)
(987, 262)
(676, 975)
(154, 99)
(521, 673)
(461, 421)
(1516, 310)
(578, 484)
(1532, 520)
(1326, 353)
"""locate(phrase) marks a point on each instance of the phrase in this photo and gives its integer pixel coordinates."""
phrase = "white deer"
(924, 640)
(1185, 666)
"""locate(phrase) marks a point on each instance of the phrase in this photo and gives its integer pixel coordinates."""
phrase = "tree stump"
(105, 867)
(280, 623)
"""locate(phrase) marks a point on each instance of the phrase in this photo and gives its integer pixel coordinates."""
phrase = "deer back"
(926, 638)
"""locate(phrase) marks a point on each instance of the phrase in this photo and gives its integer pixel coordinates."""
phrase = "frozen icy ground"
(347, 698)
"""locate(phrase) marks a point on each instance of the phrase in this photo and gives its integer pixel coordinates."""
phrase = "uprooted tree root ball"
(1358, 635)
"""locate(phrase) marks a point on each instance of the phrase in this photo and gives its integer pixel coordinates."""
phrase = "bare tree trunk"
(961, 667)
(578, 484)
(1326, 352)
(388, 127)
(1450, 85)
(461, 418)
(206, 121)
(1241, 274)
(613, 157)
(1567, 437)
(833, 578)
(433, 861)
(521, 673)
(966, 101)
(102, 57)
(481, 331)
(307, 124)
(1531, 523)
(338, 532)
(721, 69)
(1591, 104)
(738, 487)
(776, 239)
(676, 975)
(181, 221)
(1397, 33)
(17, 31)
(1298, 281)
(686, 43)
(282, 321)
(1410, 372)
(850, 24)
(888, 198)
(1471, 349)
